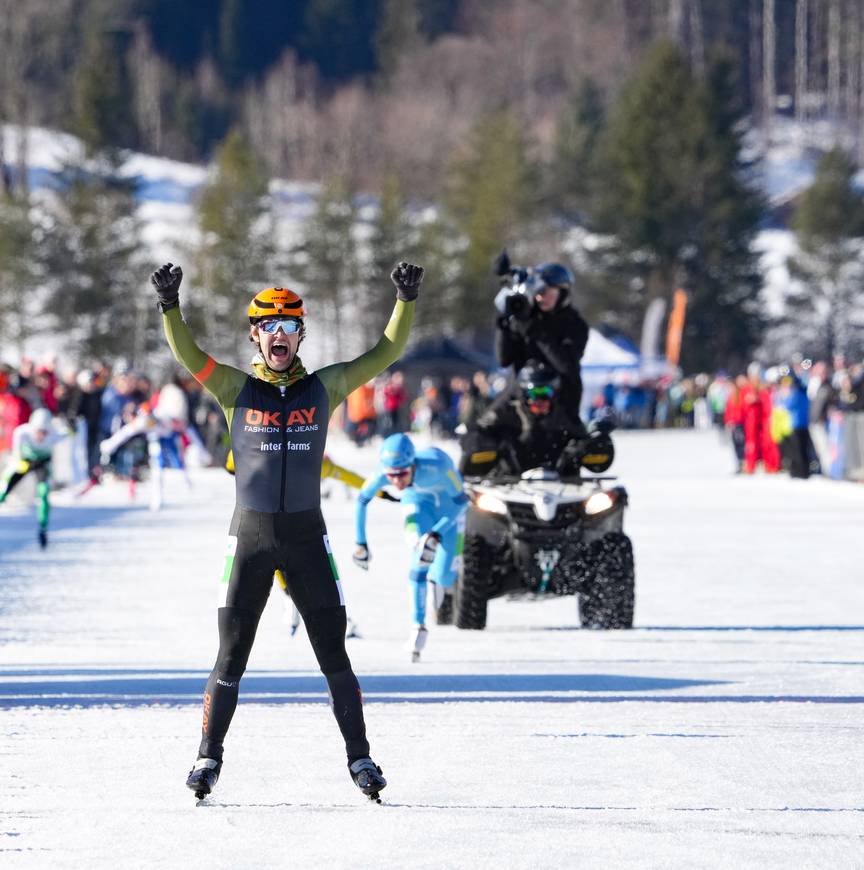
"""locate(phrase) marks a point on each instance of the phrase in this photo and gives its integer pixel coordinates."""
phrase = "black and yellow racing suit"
(278, 431)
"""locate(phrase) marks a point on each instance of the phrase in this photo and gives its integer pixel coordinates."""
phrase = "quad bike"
(541, 533)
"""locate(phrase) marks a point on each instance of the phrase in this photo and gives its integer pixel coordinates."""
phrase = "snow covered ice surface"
(725, 730)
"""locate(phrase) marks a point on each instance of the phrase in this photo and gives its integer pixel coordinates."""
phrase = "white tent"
(602, 354)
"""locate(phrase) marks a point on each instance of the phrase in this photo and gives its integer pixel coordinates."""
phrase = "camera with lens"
(515, 298)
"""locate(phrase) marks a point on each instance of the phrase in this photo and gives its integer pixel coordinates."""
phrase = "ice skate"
(94, 480)
(43, 538)
(444, 613)
(367, 777)
(417, 641)
(291, 617)
(203, 776)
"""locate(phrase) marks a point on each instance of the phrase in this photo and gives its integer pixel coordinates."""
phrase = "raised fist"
(166, 282)
(407, 277)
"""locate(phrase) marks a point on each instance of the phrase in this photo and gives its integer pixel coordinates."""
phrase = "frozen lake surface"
(724, 730)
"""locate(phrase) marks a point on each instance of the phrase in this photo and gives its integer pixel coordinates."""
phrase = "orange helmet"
(276, 302)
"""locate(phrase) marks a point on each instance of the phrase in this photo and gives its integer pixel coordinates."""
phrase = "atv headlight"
(491, 504)
(598, 502)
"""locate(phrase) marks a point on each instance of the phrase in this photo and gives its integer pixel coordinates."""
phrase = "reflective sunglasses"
(534, 393)
(398, 472)
(270, 326)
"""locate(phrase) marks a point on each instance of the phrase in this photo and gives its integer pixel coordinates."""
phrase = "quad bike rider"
(526, 427)
(536, 524)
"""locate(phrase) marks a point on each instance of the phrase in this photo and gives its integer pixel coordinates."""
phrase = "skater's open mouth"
(279, 351)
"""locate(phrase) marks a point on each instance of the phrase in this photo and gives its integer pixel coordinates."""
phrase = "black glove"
(568, 461)
(407, 278)
(166, 282)
(501, 264)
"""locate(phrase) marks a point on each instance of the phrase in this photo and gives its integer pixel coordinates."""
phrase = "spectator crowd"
(802, 418)
(97, 401)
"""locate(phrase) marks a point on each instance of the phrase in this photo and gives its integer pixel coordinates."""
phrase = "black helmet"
(554, 275)
(535, 374)
(539, 385)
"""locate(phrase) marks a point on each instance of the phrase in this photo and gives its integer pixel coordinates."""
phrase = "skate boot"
(43, 538)
(417, 641)
(204, 776)
(367, 777)
(444, 614)
(291, 617)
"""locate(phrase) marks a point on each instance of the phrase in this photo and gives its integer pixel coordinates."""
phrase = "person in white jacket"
(32, 446)
(162, 425)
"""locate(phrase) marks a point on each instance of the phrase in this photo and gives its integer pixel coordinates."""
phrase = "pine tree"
(337, 36)
(438, 16)
(673, 196)
(398, 33)
(326, 263)
(824, 308)
(725, 322)
(570, 175)
(103, 112)
(237, 46)
(96, 294)
(236, 252)
(492, 197)
(19, 267)
(392, 239)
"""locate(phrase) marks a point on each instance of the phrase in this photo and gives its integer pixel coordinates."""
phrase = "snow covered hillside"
(724, 730)
(166, 189)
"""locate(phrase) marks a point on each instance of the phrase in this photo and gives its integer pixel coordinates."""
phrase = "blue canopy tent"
(443, 358)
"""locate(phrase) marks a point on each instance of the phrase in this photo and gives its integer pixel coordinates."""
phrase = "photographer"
(536, 321)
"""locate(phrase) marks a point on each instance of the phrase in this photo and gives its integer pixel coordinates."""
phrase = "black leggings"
(39, 468)
(297, 544)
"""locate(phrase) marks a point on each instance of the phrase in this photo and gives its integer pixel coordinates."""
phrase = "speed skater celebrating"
(277, 418)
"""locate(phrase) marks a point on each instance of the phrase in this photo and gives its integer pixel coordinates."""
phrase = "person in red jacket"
(45, 381)
(733, 420)
(756, 418)
(395, 399)
(14, 408)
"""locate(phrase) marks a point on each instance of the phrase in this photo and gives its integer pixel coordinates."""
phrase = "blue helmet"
(397, 451)
(553, 275)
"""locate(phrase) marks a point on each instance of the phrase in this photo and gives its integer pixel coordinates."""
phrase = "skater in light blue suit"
(434, 504)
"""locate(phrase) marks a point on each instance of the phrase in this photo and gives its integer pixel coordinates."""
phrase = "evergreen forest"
(620, 136)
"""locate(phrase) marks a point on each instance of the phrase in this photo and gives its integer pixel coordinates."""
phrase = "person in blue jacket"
(792, 395)
(434, 503)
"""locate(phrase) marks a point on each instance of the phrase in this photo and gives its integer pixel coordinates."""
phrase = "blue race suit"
(434, 502)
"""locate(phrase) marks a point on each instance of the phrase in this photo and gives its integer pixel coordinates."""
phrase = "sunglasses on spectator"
(534, 393)
(398, 472)
(270, 326)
